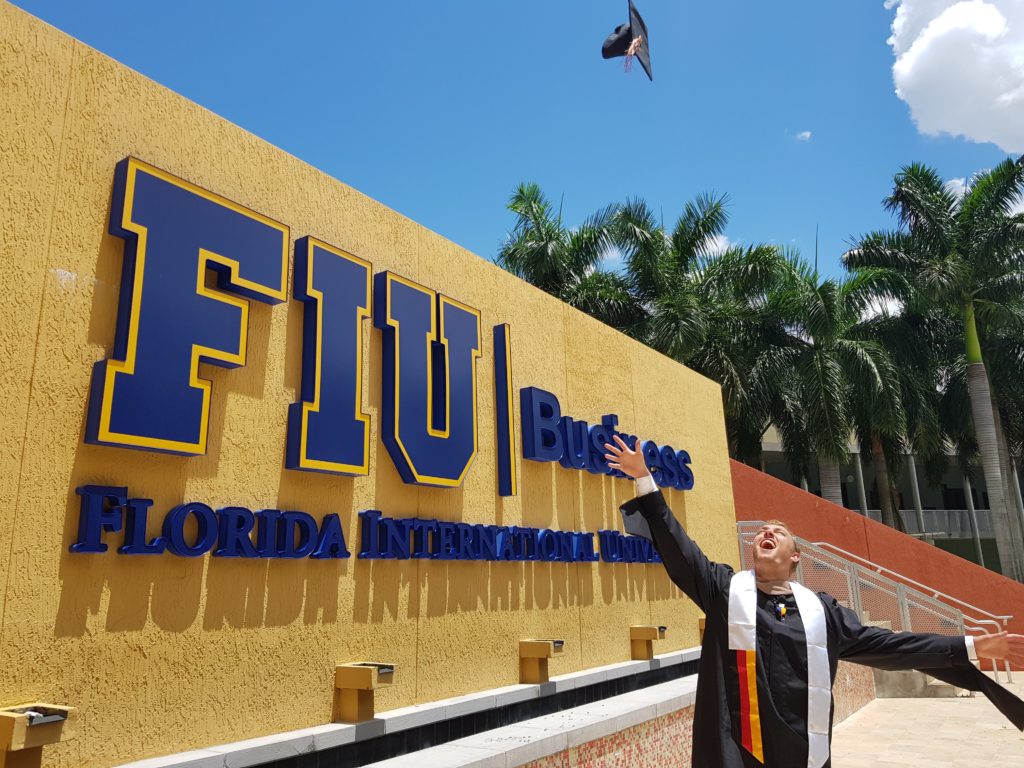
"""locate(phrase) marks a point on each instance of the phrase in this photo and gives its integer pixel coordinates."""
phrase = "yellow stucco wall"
(164, 654)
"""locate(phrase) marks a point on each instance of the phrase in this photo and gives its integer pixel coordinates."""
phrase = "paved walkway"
(937, 733)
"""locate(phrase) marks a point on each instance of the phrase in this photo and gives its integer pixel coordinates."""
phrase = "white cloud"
(717, 245)
(612, 260)
(803, 136)
(957, 186)
(960, 67)
(882, 307)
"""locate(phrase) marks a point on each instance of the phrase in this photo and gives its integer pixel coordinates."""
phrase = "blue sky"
(439, 109)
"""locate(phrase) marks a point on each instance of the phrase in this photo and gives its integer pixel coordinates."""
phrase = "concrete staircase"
(913, 685)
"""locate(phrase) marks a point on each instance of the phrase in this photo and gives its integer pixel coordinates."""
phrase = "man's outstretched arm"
(687, 566)
(885, 649)
(941, 656)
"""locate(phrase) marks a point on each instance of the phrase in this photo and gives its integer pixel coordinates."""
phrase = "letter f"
(190, 258)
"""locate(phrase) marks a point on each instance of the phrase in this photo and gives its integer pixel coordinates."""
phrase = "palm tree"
(1003, 346)
(702, 302)
(679, 293)
(964, 253)
(566, 262)
(1004, 349)
(911, 421)
(841, 372)
(787, 348)
(881, 422)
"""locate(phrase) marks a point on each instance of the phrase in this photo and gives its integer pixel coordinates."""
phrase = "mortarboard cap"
(630, 40)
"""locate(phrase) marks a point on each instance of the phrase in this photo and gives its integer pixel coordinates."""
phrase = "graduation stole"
(743, 640)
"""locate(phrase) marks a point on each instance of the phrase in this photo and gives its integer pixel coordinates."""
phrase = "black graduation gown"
(782, 656)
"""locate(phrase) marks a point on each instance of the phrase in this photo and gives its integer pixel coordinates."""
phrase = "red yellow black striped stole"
(750, 717)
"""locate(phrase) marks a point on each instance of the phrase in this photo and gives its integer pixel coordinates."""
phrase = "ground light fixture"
(641, 641)
(354, 685)
(533, 659)
(27, 728)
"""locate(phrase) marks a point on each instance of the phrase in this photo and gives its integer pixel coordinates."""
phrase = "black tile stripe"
(414, 739)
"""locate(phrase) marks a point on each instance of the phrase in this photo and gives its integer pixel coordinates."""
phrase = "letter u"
(428, 414)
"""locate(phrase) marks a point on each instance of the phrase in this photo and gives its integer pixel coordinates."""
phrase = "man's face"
(774, 551)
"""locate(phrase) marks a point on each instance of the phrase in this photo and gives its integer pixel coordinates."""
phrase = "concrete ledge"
(541, 737)
(200, 758)
(622, 669)
(252, 752)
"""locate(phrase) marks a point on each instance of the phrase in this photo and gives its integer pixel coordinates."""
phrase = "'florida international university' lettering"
(428, 405)
(405, 538)
(149, 394)
(327, 429)
(195, 529)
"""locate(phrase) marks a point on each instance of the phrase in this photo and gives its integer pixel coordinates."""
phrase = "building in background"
(940, 513)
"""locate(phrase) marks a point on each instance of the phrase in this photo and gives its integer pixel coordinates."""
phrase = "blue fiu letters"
(172, 315)
(193, 260)
(328, 430)
(428, 405)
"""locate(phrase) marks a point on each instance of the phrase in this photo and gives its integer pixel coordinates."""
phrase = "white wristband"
(972, 654)
(645, 485)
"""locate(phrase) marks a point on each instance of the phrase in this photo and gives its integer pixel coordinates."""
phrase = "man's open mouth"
(767, 544)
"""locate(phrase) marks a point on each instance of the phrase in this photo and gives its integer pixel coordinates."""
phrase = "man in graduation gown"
(771, 646)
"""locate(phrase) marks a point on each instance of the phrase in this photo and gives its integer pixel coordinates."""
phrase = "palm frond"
(825, 390)
(703, 220)
(605, 296)
(922, 202)
(883, 250)
(994, 194)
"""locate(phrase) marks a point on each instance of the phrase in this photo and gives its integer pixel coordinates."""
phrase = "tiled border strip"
(522, 743)
(281, 746)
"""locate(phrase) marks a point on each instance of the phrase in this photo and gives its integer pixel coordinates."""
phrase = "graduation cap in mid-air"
(630, 40)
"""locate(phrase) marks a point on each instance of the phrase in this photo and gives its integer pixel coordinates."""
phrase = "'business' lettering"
(575, 444)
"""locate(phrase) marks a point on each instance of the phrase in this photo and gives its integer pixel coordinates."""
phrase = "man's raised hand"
(621, 456)
(1000, 647)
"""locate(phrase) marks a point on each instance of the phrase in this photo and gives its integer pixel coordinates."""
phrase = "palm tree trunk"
(862, 497)
(1015, 485)
(988, 448)
(1013, 507)
(831, 487)
(882, 484)
(972, 513)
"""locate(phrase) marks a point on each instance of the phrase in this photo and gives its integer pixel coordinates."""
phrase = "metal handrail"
(898, 584)
(966, 522)
(881, 569)
(806, 546)
(997, 622)
(981, 629)
(912, 510)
